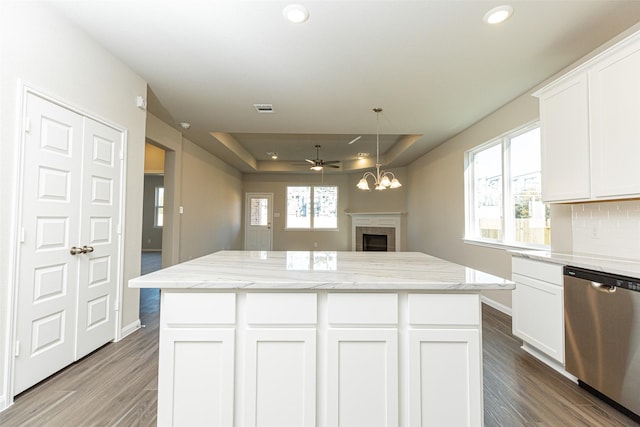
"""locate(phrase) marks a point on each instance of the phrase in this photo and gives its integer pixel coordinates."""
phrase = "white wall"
(42, 49)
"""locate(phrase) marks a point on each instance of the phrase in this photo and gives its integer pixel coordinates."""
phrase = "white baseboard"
(129, 329)
(552, 363)
(3, 403)
(498, 306)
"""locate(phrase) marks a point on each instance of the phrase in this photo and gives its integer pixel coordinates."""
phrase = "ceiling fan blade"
(329, 162)
(313, 162)
(332, 166)
(354, 139)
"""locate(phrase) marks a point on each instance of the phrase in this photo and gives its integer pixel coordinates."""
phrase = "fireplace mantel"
(376, 219)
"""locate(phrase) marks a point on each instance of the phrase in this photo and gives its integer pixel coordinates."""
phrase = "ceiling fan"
(319, 164)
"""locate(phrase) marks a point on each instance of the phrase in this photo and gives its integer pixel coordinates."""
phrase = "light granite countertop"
(624, 267)
(301, 270)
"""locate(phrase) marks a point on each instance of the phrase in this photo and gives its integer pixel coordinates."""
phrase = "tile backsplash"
(609, 229)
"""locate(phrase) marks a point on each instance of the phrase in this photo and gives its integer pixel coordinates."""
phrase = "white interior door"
(50, 214)
(70, 199)
(258, 230)
(99, 231)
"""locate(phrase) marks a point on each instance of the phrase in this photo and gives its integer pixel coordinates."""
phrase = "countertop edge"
(624, 267)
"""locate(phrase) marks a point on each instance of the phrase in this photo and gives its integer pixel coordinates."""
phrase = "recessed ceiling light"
(296, 13)
(362, 155)
(498, 14)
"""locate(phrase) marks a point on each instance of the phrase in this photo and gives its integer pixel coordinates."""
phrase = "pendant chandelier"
(382, 180)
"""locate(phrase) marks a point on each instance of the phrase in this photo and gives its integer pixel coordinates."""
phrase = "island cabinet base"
(319, 358)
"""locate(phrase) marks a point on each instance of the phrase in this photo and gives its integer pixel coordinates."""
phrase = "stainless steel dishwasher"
(602, 335)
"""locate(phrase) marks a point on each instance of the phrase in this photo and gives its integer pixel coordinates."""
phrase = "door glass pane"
(298, 207)
(325, 202)
(259, 211)
(487, 187)
(530, 215)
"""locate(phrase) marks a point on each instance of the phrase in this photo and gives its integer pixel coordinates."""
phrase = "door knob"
(75, 250)
(87, 249)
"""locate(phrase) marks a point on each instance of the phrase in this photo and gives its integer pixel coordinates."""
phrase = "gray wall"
(211, 195)
(350, 199)
(435, 200)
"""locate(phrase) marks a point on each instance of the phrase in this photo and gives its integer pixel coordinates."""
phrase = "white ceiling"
(434, 67)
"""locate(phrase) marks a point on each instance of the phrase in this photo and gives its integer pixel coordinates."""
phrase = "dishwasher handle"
(601, 287)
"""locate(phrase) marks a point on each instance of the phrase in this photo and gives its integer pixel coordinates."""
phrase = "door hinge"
(17, 350)
(27, 125)
(23, 235)
(119, 229)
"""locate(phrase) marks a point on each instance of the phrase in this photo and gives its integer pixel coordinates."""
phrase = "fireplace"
(379, 239)
(374, 242)
(384, 227)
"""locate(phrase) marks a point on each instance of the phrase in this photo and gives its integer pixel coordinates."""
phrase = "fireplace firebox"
(374, 242)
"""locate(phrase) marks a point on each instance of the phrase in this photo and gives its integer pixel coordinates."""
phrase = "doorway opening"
(153, 220)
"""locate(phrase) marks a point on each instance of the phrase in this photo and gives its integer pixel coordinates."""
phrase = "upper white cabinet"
(590, 128)
(615, 123)
(564, 117)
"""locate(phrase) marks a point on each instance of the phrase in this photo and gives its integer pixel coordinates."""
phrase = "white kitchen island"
(322, 339)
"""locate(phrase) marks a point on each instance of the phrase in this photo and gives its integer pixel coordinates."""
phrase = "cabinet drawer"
(281, 308)
(545, 271)
(198, 308)
(444, 309)
(377, 309)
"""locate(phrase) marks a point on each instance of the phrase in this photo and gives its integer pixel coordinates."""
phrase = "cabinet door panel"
(615, 139)
(281, 377)
(564, 126)
(362, 384)
(538, 315)
(446, 382)
(195, 377)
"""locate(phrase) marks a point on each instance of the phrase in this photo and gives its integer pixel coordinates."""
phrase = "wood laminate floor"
(117, 385)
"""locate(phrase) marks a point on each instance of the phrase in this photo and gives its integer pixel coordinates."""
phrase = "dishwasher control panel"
(623, 282)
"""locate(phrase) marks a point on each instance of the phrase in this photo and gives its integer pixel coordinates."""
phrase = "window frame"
(507, 220)
(312, 193)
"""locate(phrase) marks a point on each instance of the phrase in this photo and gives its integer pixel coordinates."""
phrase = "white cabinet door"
(196, 377)
(538, 315)
(564, 124)
(615, 124)
(362, 377)
(445, 386)
(280, 378)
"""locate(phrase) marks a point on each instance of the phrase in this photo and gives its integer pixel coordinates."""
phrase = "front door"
(68, 268)
(258, 230)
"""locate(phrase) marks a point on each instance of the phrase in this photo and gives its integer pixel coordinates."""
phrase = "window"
(158, 209)
(503, 191)
(312, 207)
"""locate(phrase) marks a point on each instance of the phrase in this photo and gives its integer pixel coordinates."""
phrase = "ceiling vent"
(264, 108)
